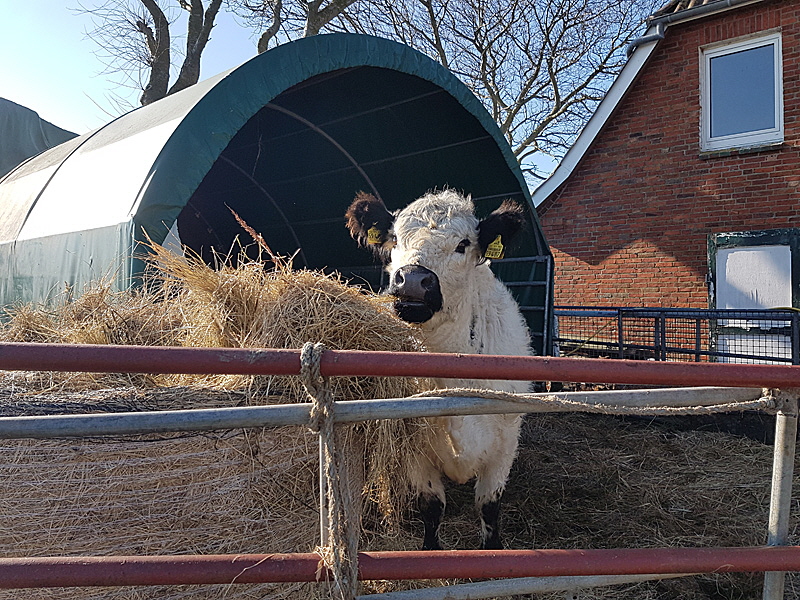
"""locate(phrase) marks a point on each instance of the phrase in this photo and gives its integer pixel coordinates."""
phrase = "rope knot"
(316, 385)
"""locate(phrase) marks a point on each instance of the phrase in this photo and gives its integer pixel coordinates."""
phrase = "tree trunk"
(158, 43)
(197, 35)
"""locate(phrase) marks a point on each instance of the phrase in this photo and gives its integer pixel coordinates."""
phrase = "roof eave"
(698, 12)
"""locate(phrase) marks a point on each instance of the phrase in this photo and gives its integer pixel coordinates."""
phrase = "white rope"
(767, 403)
(340, 552)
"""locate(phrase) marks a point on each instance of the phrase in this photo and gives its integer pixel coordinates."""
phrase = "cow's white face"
(433, 255)
(433, 247)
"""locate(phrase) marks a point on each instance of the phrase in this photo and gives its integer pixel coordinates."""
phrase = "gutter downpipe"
(657, 36)
(688, 14)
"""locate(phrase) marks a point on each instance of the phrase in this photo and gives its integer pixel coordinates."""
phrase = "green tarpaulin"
(24, 134)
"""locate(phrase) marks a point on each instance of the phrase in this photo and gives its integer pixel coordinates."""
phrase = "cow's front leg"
(427, 483)
(489, 486)
(431, 509)
(490, 525)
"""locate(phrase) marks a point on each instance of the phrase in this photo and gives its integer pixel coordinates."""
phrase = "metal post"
(781, 495)
(323, 495)
(697, 341)
(657, 338)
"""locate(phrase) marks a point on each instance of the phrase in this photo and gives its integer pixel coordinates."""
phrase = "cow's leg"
(427, 482)
(488, 492)
(490, 483)
(431, 509)
(490, 525)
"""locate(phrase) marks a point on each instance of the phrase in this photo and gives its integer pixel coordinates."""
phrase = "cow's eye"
(462, 246)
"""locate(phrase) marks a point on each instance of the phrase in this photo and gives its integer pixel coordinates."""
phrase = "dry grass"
(604, 482)
(169, 495)
(186, 303)
(580, 481)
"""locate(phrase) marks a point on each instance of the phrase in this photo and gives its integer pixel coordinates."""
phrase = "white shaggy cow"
(439, 275)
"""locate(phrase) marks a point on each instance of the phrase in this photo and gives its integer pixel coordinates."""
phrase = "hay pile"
(241, 491)
(186, 303)
(604, 482)
(215, 493)
(580, 481)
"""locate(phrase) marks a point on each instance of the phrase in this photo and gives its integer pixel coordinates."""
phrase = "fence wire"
(669, 334)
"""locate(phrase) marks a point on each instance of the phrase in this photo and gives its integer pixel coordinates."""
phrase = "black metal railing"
(744, 336)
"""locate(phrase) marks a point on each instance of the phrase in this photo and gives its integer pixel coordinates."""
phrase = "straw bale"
(186, 303)
(250, 306)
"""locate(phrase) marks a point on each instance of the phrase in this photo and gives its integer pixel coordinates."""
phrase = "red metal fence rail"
(447, 564)
(159, 359)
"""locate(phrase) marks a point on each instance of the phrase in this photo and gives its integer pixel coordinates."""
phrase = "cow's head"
(431, 247)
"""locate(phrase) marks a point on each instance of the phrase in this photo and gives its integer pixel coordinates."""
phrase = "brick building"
(682, 191)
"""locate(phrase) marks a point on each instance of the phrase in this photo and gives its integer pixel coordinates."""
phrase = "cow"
(436, 253)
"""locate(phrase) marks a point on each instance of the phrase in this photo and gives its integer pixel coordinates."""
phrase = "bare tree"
(266, 17)
(135, 39)
(539, 66)
(278, 22)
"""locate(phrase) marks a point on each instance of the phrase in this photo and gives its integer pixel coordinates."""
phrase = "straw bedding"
(580, 481)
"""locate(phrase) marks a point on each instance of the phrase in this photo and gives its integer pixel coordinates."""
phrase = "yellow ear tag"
(495, 249)
(373, 236)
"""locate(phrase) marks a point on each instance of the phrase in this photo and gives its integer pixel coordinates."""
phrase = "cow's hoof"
(493, 544)
(432, 546)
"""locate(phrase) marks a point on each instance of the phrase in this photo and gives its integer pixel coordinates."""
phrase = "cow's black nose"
(417, 292)
(414, 282)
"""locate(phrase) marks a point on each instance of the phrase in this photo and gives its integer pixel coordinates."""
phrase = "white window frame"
(761, 137)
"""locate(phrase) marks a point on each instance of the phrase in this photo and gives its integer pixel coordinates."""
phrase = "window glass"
(743, 91)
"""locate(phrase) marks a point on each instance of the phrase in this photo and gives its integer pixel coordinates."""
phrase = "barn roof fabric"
(285, 140)
(23, 133)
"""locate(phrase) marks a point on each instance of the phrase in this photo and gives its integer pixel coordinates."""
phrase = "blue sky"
(49, 65)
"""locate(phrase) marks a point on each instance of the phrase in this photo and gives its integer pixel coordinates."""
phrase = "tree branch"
(317, 18)
(275, 25)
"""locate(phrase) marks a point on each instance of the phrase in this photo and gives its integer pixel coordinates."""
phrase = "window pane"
(743, 91)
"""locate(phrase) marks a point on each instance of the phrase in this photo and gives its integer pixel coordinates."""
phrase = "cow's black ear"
(369, 221)
(497, 230)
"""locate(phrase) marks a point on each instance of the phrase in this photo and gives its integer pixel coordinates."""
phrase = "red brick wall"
(630, 226)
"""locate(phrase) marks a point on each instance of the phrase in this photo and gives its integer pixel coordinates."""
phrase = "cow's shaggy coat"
(436, 250)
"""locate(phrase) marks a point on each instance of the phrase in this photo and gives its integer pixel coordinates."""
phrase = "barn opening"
(294, 165)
